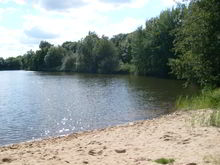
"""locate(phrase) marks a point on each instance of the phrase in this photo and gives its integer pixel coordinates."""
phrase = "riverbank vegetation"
(208, 99)
(182, 42)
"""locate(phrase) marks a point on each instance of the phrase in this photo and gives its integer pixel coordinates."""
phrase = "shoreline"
(81, 133)
(141, 142)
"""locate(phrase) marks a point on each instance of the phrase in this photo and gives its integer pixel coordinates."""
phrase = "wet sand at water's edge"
(139, 143)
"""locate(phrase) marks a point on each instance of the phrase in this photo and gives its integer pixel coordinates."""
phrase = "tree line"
(182, 42)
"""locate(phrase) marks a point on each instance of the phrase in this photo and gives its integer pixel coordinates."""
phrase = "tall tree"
(38, 59)
(87, 56)
(138, 51)
(13, 63)
(197, 44)
(28, 60)
(153, 46)
(106, 56)
(54, 57)
(123, 45)
(2, 63)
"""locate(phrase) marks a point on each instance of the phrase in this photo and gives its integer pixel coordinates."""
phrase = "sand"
(139, 143)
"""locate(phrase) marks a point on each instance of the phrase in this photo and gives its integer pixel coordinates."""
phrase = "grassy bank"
(207, 99)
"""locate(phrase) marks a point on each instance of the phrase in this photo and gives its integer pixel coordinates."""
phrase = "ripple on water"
(39, 104)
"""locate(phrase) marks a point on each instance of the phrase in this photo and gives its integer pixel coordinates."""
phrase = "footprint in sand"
(85, 162)
(52, 158)
(119, 151)
(170, 136)
(7, 160)
(167, 138)
(186, 141)
(95, 153)
(13, 147)
(94, 142)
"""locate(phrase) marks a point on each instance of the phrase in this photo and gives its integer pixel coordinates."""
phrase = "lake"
(37, 105)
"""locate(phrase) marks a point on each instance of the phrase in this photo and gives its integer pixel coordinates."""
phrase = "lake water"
(39, 104)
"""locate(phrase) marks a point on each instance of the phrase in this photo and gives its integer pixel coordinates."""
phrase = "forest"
(182, 43)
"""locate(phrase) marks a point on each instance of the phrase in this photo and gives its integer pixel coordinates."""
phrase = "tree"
(2, 63)
(87, 56)
(197, 44)
(27, 60)
(13, 63)
(138, 51)
(71, 46)
(45, 45)
(69, 63)
(123, 44)
(40, 55)
(152, 47)
(107, 57)
(54, 57)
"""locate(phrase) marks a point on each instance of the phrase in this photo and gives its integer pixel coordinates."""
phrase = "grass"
(207, 99)
(164, 161)
(215, 118)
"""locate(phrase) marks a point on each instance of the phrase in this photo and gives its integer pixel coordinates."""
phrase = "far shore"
(177, 136)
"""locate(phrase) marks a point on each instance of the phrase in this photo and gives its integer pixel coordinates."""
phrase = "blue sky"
(24, 23)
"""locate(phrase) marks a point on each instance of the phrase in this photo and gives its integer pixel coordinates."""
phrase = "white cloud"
(69, 22)
(60, 4)
(3, 1)
(116, 1)
(95, 5)
(112, 5)
(7, 10)
(168, 3)
(128, 25)
(20, 2)
(38, 33)
(10, 44)
(70, 26)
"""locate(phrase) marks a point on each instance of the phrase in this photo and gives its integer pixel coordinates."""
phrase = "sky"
(24, 23)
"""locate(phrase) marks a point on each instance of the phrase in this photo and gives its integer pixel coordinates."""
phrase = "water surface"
(39, 104)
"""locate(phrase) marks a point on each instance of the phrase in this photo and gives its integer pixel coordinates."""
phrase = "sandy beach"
(175, 136)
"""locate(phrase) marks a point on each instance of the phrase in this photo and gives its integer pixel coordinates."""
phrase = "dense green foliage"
(54, 57)
(183, 42)
(11, 63)
(152, 46)
(107, 57)
(197, 44)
